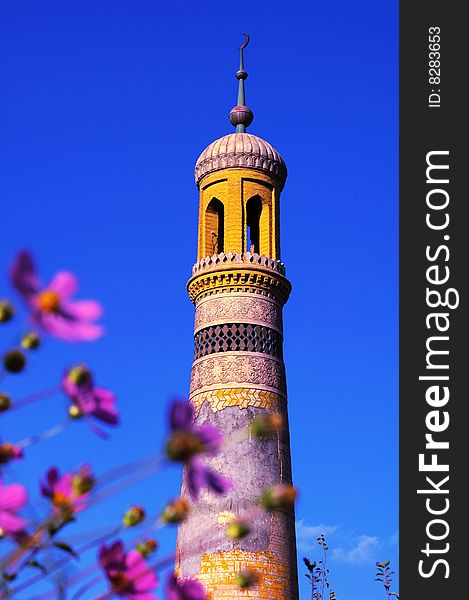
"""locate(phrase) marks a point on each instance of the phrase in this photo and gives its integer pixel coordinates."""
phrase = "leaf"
(66, 548)
(37, 565)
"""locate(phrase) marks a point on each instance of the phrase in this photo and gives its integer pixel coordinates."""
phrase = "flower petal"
(70, 330)
(216, 483)
(196, 480)
(180, 415)
(10, 523)
(210, 436)
(23, 275)
(112, 556)
(85, 310)
(184, 589)
(65, 284)
(142, 577)
(105, 408)
(13, 497)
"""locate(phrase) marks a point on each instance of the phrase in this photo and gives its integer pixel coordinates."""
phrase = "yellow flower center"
(48, 301)
(61, 500)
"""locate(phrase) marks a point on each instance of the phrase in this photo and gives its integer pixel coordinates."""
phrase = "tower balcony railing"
(238, 258)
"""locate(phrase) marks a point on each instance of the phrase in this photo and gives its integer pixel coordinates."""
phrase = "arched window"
(214, 227)
(253, 217)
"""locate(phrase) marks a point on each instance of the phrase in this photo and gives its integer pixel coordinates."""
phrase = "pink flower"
(184, 589)
(68, 493)
(187, 441)
(12, 499)
(52, 307)
(127, 573)
(78, 385)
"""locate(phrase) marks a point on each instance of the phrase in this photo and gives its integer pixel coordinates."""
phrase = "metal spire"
(241, 116)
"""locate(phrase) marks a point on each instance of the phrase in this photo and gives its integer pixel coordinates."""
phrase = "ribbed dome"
(241, 150)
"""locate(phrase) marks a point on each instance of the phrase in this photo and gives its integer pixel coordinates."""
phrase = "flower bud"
(182, 445)
(237, 529)
(134, 516)
(14, 361)
(146, 547)
(31, 341)
(79, 375)
(9, 452)
(247, 578)
(266, 425)
(278, 497)
(6, 311)
(5, 402)
(75, 412)
(176, 511)
(83, 481)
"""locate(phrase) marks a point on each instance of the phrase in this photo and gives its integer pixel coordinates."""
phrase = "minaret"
(238, 287)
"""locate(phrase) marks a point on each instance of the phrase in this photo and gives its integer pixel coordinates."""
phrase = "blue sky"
(105, 108)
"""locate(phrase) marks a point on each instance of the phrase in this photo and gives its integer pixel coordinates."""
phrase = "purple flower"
(52, 307)
(127, 573)
(67, 493)
(184, 589)
(12, 499)
(187, 441)
(78, 385)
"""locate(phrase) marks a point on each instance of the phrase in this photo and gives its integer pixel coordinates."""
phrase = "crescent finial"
(246, 41)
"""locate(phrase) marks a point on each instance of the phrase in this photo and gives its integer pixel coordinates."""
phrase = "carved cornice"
(217, 261)
(241, 279)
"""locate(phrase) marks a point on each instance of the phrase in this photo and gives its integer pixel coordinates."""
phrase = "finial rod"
(241, 116)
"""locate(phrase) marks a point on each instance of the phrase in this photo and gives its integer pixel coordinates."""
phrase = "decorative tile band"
(242, 397)
(237, 367)
(238, 308)
(237, 337)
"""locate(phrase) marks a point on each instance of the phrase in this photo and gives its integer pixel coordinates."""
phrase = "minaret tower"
(238, 287)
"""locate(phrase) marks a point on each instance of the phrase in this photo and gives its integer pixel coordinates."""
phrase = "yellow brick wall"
(234, 187)
(218, 575)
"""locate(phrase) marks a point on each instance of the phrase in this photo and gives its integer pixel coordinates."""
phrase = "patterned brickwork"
(234, 188)
(238, 308)
(218, 574)
(237, 367)
(241, 397)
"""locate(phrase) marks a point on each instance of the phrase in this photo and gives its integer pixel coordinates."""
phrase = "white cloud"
(306, 534)
(366, 550)
(394, 541)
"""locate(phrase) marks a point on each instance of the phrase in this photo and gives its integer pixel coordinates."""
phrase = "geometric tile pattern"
(241, 397)
(243, 337)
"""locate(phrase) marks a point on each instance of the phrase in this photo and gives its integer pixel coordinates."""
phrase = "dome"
(241, 150)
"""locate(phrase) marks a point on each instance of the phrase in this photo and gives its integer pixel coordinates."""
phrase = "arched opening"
(253, 217)
(214, 227)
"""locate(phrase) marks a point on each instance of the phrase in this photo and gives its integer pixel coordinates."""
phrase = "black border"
(424, 129)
